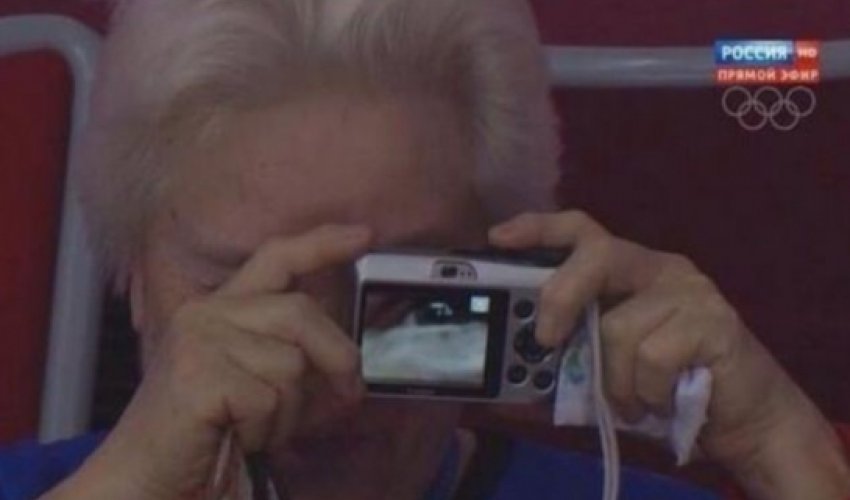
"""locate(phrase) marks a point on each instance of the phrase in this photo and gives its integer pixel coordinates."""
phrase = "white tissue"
(574, 401)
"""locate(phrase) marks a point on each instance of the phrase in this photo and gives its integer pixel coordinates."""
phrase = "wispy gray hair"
(172, 66)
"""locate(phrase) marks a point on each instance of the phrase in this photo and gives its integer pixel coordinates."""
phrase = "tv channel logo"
(775, 62)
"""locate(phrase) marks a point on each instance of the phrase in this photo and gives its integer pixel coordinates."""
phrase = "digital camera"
(454, 326)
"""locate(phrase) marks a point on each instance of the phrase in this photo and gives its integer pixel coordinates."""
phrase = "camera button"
(543, 380)
(523, 309)
(517, 374)
(528, 348)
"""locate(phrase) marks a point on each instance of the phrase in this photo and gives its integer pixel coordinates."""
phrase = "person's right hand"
(234, 359)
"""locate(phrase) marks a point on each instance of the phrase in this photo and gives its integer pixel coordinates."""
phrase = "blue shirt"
(521, 471)
(29, 469)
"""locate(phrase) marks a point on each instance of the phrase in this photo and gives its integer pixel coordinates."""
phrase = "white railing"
(77, 292)
(661, 66)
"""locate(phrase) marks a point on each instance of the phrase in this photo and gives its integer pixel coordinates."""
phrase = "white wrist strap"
(604, 420)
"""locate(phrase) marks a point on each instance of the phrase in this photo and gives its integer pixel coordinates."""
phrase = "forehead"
(403, 167)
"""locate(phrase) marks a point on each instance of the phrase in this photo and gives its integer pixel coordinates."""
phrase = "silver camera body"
(453, 326)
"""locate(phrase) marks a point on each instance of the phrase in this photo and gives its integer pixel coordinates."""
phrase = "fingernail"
(505, 230)
(541, 334)
(544, 335)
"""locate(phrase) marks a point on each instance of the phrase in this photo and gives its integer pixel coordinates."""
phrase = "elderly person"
(242, 153)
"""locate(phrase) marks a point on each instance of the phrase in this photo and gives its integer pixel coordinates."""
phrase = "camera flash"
(479, 304)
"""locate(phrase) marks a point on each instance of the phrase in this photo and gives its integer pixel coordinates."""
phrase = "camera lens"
(448, 272)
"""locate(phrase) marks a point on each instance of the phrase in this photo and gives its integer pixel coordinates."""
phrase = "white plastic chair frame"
(77, 292)
(75, 321)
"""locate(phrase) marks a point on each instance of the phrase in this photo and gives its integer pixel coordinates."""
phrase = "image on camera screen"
(417, 338)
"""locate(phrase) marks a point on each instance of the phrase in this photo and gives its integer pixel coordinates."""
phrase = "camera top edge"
(538, 257)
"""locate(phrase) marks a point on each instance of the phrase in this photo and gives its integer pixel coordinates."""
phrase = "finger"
(298, 319)
(563, 229)
(278, 261)
(565, 294)
(271, 360)
(278, 365)
(210, 389)
(281, 365)
(250, 406)
(661, 359)
(598, 268)
(237, 370)
(629, 266)
(622, 330)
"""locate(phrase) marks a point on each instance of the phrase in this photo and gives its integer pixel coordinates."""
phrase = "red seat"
(33, 117)
(35, 108)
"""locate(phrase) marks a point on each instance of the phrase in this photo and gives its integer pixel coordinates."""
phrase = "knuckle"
(712, 307)
(680, 271)
(681, 263)
(586, 223)
(653, 359)
(717, 306)
(679, 266)
(581, 217)
(270, 247)
(602, 248)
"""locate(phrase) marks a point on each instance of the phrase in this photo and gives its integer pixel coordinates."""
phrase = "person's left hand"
(667, 317)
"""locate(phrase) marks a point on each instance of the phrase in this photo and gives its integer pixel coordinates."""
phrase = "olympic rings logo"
(767, 105)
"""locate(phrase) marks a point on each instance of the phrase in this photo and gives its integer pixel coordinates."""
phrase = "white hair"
(172, 65)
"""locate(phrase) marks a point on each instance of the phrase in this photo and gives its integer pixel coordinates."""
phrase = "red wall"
(766, 214)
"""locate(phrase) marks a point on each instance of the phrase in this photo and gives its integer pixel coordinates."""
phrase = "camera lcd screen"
(438, 337)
